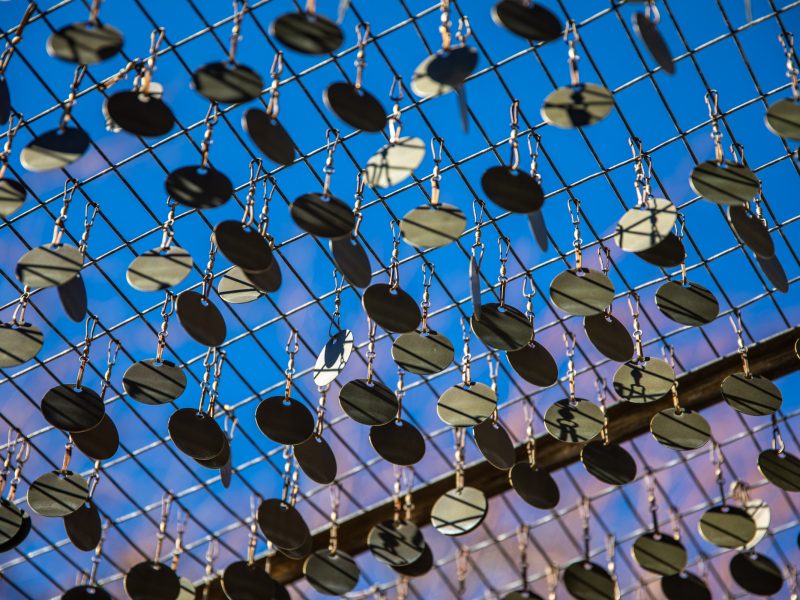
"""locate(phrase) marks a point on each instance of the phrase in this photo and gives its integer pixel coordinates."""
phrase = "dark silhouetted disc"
(610, 463)
(423, 353)
(73, 298)
(139, 113)
(54, 149)
(201, 319)
(459, 511)
(83, 527)
(522, 595)
(726, 183)
(396, 544)
(196, 434)
(582, 292)
(331, 574)
(368, 403)
(85, 43)
(687, 430)
(690, 304)
(419, 567)
(774, 271)
(5, 101)
(512, 189)
(152, 581)
(243, 581)
(309, 34)
(243, 246)
(576, 106)
(575, 422)
(502, 327)
(394, 310)
(647, 30)
(198, 187)
(781, 469)
(152, 382)
(756, 573)
(645, 381)
(588, 581)
(352, 261)
(48, 266)
(534, 364)
(398, 442)
(535, 486)
(727, 526)
(12, 196)
(282, 525)
(466, 405)
(432, 226)
(57, 494)
(11, 519)
(236, 288)
(423, 85)
(100, 442)
(72, 409)
(316, 459)
(684, 586)
(751, 231)
(323, 217)
(157, 269)
(659, 553)
(227, 83)
(268, 281)
(452, 67)
(19, 343)
(394, 163)
(21, 534)
(218, 461)
(285, 421)
(667, 253)
(333, 358)
(782, 118)
(300, 553)
(495, 444)
(530, 21)
(538, 228)
(86, 592)
(269, 135)
(756, 396)
(609, 336)
(356, 107)
(641, 228)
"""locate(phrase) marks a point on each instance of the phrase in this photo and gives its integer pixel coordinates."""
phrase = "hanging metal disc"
(70, 408)
(218, 461)
(502, 327)
(645, 381)
(54, 149)
(452, 67)
(157, 269)
(781, 469)
(368, 403)
(690, 304)
(495, 444)
(49, 266)
(57, 493)
(284, 420)
(12, 196)
(756, 573)
(647, 31)
(326, 217)
(582, 292)
(300, 553)
(392, 309)
(659, 553)
(73, 298)
(685, 430)
(751, 231)
(85, 43)
(534, 364)
(727, 526)
(755, 395)
(282, 524)
(196, 434)
(244, 581)
(227, 83)
(610, 463)
(267, 281)
(86, 592)
(522, 595)
(199, 187)
(579, 105)
(236, 288)
(352, 261)
(609, 336)
(395, 162)
(512, 189)
(331, 574)
(574, 422)
(269, 136)
(724, 183)
(83, 527)
(531, 21)
(307, 33)
(535, 486)
(333, 358)
(466, 405)
(667, 253)
(423, 85)
(150, 580)
(200, 318)
(783, 118)
(432, 225)
(139, 113)
(642, 228)
(423, 352)
(418, 568)
(588, 581)
(459, 511)
(684, 586)
(398, 442)
(316, 459)
(152, 382)
(19, 343)
(396, 543)
(355, 106)
(100, 442)
(244, 246)
(11, 519)
(20, 536)
(774, 271)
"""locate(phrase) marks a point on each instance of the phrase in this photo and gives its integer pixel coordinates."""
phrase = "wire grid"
(715, 46)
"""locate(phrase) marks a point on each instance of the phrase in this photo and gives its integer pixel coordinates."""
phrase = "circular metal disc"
(152, 382)
(432, 226)
(300, 553)
(423, 353)
(783, 118)
(684, 586)
(316, 459)
(398, 442)
(54, 149)
(73, 298)
(577, 106)
(269, 135)
(495, 444)
(333, 358)
(588, 581)
(57, 494)
(139, 113)
(268, 281)
(751, 231)
(243, 246)
(12, 196)
(69, 408)
(244, 581)
(282, 524)
(152, 581)
(395, 162)
(236, 288)
(396, 544)
(11, 519)
(512, 189)
(452, 67)
(641, 228)
(201, 319)
(690, 304)
(394, 310)
(582, 292)
(87, 592)
(368, 403)
(534, 364)
(647, 30)
(667, 253)
(355, 106)
(575, 422)
(331, 574)
(642, 382)
(309, 34)
(196, 434)
(227, 83)
(609, 336)
(20, 535)
(502, 327)
(756, 573)
(610, 463)
(48, 266)
(85, 43)
(423, 85)
(535, 486)
(83, 527)
(756, 396)
(323, 217)
(19, 343)
(157, 270)
(100, 442)
(459, 511)
(466, 405)
(687, 430)
(726, 183)
(659, 553)
(774, 271)
(530, 21)
(218, 461)
(727, 526)
(418, 568)
(352, 261)
(284, 420)
(198, 187)
(781, 469)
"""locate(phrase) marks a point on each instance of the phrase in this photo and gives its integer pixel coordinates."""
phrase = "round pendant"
(423, 352)
(355, 106)
(579, 105)
(432, 226)
(331, 574)
(300, 553)
(452, 67)
(86, 592)
(316, 459)
(269, 136)
(21, 534)
(157, 269)
(396, 543)
(646, 381)
(282, 524)
(201, 319)
(398, 442)
(667, 253)
(495, 444)
(684, 586)
(502, 327)
(244, 581)
(659, 553)
(199, 187)
(534, 364)
(756, 396)
(392, 309)
(648, 32)
(19, 343)
(323, 217)
(685, 430)
(582, 292)
(49, 266)
(574, 422)
(530, 21)
(642, 228)
(69, 408)
(284, 420)
(243, 246)
(725, 183)
(751, 231)
(781, 469)
(512, 189)
(774, 271)
(236, 288)
(85, 43)
(459, 511)
(54, 149)
(155, 383)
(307, 33)
(727, 526)
(689, 304)
(12, 196)
(609, 336)
(57, 494)
(352, 261)
(150, 580)
(588, 581)
(423, 85)
(610, 463)
(368, 403)
(395, 162)
(83, 527)
(196, 434)
(227, 83)
(756, 573)
(11, 519)
(267, 281)
(522, 595)
(100, 442)
(333, 358)
(418, 568)
(783, 118)
(466, 405)
(73, 298)
(218, 461)
(534, 486)
(139, 113)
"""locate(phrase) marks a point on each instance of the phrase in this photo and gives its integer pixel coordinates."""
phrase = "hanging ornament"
(88, 586)
(201, 319)
(398, 441)
(20, 341)
(534, 485)
(348, 253)
(12, 192)
(15, 522)
(527, 19)
(655, 551)
(783, 116)
(586, 580)
(307, 32)
(490, 436)
(86, 43)
(314, 456)
(645, 24)
(398, 542)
